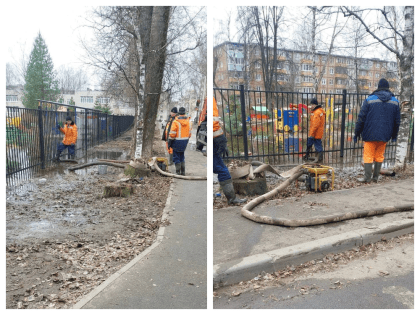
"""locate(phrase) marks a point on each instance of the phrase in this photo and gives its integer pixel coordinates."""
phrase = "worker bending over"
(219, 168)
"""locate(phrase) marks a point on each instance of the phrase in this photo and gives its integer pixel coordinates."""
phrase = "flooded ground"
(63, 238)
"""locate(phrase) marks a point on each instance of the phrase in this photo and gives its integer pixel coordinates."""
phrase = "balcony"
(364, 77)
(307, 84)
(305, 60)
(281, 58)
(281, 71)
(340, 86)
(364, 87)
(341, 75)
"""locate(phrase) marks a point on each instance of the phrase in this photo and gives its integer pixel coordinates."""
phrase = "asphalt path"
(361, 284)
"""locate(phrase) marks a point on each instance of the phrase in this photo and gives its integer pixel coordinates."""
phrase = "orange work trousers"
(170, 150)
(374, 151)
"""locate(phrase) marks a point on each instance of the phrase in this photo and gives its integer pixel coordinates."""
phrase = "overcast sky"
(59, 25)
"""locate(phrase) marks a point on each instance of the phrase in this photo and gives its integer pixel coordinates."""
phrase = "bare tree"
(11, 74)
(404, 55)
(71, 79)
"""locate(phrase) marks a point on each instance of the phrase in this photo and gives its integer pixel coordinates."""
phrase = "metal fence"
(273, 126)
(32, 136)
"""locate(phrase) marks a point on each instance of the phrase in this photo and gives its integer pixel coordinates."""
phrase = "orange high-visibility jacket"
(217, 128)
(180, 129)
(70, 134)
(317, 123)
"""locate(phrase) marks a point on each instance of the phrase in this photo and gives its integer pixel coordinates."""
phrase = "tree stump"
(139, 171)
(256, 186)
(118, 190)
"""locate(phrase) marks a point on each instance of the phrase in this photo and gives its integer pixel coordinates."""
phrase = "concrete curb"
(135, 260)
(249, 267)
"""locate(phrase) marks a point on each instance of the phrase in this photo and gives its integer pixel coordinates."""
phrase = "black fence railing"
(32, 135)
(273, 126)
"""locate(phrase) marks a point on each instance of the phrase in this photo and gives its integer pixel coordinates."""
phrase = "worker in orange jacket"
(70, 137)
(219, 168)
(316, 130)
(165, 135)
(179, 135)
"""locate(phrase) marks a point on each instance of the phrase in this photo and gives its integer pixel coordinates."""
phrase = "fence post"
(86, 127)
(343, 122)
(98, 129)
(41, 135)
(106, 128)
(243, 115)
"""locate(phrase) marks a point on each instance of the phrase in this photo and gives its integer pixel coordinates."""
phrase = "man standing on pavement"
(316, 130)
(179, 135)
(70, 138)
(219, 168)
(165, 136)
(377, 123)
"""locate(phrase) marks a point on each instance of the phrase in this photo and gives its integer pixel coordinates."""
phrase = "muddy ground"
(63, 238)
(344, 179)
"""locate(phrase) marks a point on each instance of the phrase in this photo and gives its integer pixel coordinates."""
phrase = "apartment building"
(295, 71)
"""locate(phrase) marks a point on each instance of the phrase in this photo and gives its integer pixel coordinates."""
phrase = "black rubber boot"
(57, 157)
(229, 191)
(178, 168)
(376, 171)
(183, 168)
(320, 157)
(171, 162)
(368, 174)
(306, 156)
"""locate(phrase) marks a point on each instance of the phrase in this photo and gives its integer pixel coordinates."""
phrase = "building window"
(324, 58)
(11, 98)
(257, 52)
(370, 84)
(297, 56)
(258, 88)
(339, 60)
(378, 65)
(297, 79)
(348, 61)
(377, 75)
(331, 91)
(324, 81)
(331, 70)
(258, 101)
(307, 90)
(306, 67)
(102, 100)
(258, 65)
(324, 91)
(331, 81)
(280, 77)
(258, 77)
(370, 73)
(338, 91)
(307, 79)
(86, 99)
(68, 101)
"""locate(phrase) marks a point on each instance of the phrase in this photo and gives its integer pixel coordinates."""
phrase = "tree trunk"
(155, 64)
(407, 87)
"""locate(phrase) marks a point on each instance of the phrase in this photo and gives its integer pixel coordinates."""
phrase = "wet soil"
(63, 238)
(344, 179)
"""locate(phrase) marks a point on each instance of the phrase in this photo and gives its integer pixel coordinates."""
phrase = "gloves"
(355, 139)
(219, 145)
(170, 143)
(58, 126)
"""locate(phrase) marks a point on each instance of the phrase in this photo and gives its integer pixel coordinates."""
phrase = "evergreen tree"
(40, 82)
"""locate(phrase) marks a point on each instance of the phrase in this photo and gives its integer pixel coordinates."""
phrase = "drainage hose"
(178, 176)
(246, 210)
(96, 163)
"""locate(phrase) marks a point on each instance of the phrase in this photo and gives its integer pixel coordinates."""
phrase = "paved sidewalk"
(173, 274)
(237, 239)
